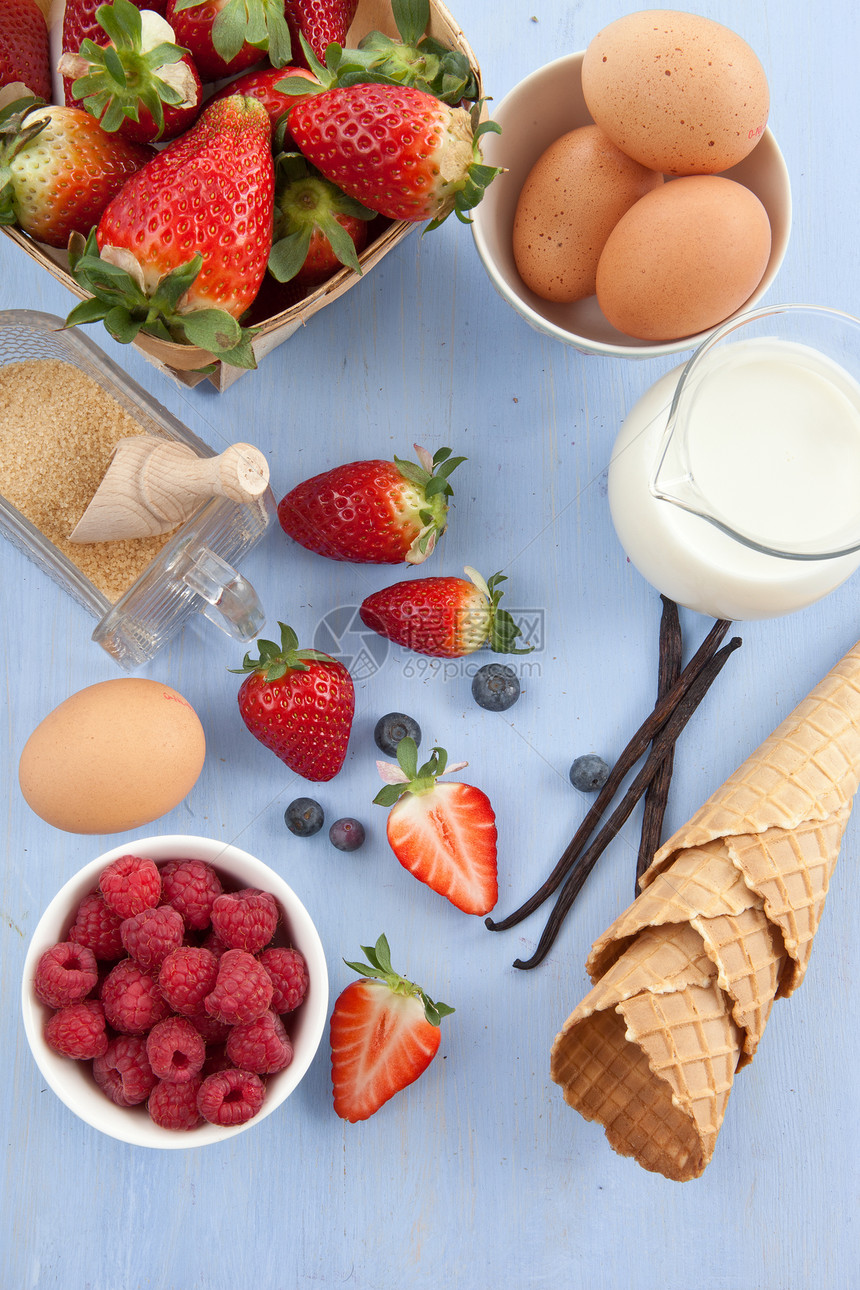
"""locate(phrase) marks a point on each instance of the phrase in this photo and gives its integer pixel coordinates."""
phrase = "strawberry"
(139, 81)
(399, 151)
(24, 57)
(320, 22)
(262, 84)
(225, 37)
(79, 24)
(299, 704)
(445, 617)
(444, 834)
(59, 170)
(182, 249)
(318, 229)
(373, 512)
(384, 1033)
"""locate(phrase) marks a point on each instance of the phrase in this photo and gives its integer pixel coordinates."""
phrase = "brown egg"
(684, 258)
(112, 757)
(676, 91)
(574, 195)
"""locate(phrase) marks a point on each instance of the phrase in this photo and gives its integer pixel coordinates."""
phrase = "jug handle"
(231, 603)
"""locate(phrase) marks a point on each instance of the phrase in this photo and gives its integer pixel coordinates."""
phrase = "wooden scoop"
(152, 485)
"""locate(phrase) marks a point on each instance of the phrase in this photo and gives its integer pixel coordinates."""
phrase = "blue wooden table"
(478, 1175)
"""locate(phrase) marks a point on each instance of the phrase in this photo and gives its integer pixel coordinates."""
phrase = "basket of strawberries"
(214, 172)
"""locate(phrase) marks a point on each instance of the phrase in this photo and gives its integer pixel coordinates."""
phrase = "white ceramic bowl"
(538, 111)
(72, 1081)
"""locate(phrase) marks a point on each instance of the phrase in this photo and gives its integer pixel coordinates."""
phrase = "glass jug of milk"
(734, 484)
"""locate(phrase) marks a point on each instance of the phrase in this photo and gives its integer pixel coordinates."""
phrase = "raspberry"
(174, 1106)
(216, 1058)
(150, 935)
(124, 1072)
(185, 978)
(289, 974)
(214, 944)
(78, 1031)
(130, 884)
(66, 973)
(176, 1050)
(246, 919)
(230, 1097)
(132, 1000)
(243, 989)
(97, 927)
(191, 887)
(262, 1046)
(213, 1032)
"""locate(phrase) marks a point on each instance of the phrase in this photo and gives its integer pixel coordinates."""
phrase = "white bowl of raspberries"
(175, 992)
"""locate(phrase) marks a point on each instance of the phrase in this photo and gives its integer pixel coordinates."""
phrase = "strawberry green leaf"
(212, 329)
(91, 310)
(414, 473)
(378, 967)
(407, 756)
(121, 325)
(289, 253)
(411, 17)
(390, 793)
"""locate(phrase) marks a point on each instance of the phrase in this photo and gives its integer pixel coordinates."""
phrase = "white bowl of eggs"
(643, 201)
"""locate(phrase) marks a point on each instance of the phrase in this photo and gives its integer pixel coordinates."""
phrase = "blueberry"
(393, 727)
(495, 687)
(346, 834)
(589, 773)
(304, 817)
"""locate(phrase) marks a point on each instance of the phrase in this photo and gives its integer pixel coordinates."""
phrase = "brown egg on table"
(684, 258)
(678, 92)
(573, 197)
(112, 757)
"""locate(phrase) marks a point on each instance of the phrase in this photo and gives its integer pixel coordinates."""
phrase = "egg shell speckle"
(113, 756)
(678, 92)
(684, 258)
(573, 197)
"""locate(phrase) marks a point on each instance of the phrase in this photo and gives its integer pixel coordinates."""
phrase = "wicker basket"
(184, 361)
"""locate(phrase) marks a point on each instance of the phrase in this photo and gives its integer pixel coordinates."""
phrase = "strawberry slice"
(384, 1034)
(444, 834)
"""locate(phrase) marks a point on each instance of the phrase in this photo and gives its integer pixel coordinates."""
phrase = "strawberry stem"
(277, 659)
(378, 967)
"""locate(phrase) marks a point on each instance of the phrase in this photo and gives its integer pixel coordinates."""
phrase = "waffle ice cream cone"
(684, 979)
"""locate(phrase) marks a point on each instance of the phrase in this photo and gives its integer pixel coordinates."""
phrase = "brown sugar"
(58, 428)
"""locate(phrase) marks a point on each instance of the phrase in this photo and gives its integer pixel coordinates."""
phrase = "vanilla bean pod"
(671, 650)
(664, 741)
(625, 763)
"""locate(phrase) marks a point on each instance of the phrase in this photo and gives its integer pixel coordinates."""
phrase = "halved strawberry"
(444, 834)
(373, 512)
(384, 1033)
(444, 617)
